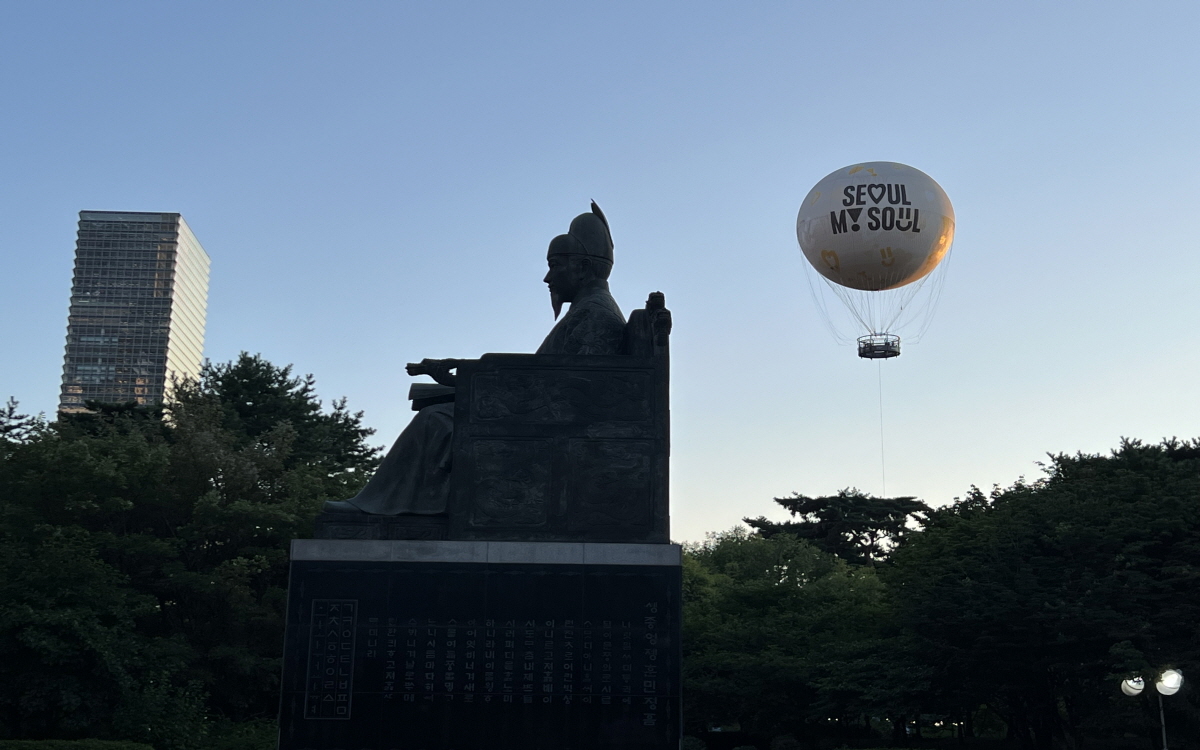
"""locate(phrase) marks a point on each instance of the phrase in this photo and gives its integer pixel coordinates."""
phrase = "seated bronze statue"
(567, 443)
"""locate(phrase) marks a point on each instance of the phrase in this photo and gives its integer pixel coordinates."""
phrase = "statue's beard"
(556, 302)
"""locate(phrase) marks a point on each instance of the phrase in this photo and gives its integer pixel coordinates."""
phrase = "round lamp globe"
(1170, 682)
(1133, 686)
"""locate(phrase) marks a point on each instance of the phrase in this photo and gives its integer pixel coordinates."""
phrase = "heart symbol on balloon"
(871, 192)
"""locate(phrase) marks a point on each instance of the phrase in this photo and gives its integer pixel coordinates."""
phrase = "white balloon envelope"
(875, 226)
(875, 232)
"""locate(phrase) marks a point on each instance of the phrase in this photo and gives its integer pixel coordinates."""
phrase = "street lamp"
(1132, 686)
(1168, 684)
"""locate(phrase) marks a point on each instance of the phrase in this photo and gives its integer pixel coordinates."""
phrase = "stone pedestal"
(478, 645)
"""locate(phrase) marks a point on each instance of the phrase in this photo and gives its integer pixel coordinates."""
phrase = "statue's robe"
(414, 476)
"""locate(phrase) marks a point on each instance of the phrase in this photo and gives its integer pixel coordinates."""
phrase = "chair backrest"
(566, 448)
(648, 330)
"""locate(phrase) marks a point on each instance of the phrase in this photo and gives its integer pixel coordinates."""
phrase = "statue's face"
(568, 275)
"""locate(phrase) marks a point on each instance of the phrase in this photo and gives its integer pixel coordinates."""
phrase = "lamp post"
(1168, 684)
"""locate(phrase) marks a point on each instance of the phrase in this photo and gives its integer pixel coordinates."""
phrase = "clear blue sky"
(377, 182)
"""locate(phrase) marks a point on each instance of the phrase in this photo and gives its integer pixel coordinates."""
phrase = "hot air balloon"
(875, 233)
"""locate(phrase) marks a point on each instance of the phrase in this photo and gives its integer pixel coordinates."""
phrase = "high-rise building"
(138, 302)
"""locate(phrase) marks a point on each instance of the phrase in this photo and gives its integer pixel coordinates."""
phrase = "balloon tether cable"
(882, 462)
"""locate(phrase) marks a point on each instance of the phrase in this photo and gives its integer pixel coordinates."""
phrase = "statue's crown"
(588, 235)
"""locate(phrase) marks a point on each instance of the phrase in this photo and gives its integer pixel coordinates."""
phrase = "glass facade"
(138, 303)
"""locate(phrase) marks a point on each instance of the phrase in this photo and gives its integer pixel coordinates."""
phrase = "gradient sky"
(377, 182)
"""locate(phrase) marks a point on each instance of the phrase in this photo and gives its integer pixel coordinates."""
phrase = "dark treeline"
(143, 570)
(143, 559)
(1010, 616)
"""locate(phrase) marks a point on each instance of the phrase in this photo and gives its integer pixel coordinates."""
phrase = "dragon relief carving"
(512, 482)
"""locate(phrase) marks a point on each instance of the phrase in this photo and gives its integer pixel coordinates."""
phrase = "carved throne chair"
(566, 448)
(553, 448)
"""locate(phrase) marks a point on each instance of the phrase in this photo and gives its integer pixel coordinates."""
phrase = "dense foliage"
(1013, 614)
(1039, 598)
(143, 560)
(778, 636)
(853, 525)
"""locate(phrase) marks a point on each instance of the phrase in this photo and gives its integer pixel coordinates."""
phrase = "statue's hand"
(438, 369)
(418, 368)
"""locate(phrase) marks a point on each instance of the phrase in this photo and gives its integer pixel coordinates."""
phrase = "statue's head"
(580, 259)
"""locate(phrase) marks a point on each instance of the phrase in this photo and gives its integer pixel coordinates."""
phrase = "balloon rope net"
(906, 310)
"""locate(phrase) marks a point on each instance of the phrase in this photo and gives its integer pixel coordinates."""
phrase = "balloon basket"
(879, 346)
